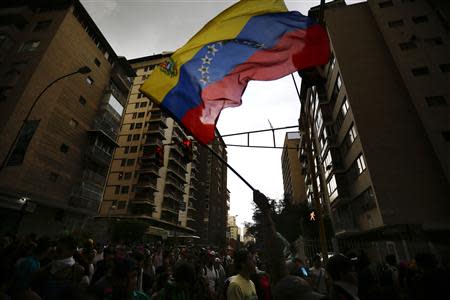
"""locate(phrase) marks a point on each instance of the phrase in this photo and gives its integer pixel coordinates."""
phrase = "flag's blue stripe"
(260, 32)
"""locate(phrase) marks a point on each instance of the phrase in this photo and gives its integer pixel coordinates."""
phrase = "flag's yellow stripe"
(227, 25)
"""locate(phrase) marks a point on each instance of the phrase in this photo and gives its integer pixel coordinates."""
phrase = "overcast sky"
(137, 28)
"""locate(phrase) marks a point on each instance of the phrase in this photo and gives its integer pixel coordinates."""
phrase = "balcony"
(174, 183)
(146, 182)
(169, 216)
(173, 209)
(86, 196)
(156, 130)
(141, 208)
(152, 141)
(98, 155)
(148, 167)
(107, 127)
(122, 82)
(158, 118)
(172, 197)
(177, 171)
(93, 177)
(178, 161)
(144, 197)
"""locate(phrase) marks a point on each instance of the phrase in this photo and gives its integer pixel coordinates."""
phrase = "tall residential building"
(233, 228)
(53, 179)
(293, 179)
(214, 197)
(168, 192)
(379, 115)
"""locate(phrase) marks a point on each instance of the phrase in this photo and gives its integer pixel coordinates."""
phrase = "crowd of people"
(34, 267)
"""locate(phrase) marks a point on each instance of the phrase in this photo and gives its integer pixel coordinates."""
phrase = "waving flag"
(251, 40)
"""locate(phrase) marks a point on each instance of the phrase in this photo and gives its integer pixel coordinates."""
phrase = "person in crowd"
(344, 278)
(121, 284)
(182, 285)
(318, 276)
(62, 272)
(240, 286)
(211, 274)
(104, 265)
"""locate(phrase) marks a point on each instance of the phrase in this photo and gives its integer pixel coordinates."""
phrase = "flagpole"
(230, 167)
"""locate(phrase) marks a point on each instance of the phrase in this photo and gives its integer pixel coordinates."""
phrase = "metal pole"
(13, 145)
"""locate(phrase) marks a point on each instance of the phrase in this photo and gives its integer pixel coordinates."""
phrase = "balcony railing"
(147, 183)
(178, 161)
(93, 177)
(170, 181)
(87, 196)
(156, 130)
(99, 155)
(176, 170)
(143, 196)
(152, 141)
(109, 128)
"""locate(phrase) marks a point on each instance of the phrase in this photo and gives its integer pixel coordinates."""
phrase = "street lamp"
(82, 70)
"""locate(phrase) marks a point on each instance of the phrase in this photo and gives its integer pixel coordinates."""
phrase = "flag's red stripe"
(284, 58)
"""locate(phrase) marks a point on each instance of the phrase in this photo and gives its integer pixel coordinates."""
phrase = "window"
(117, 189)
(344, 108)
(53, 177)
(420, 19)
(327, 163)
(42, 25)
(120, 175)
(319, 120)
(339, 82)
(332, 186)
(136, 105)
(140, 95)
(332, 63)
(141, 115)
(123, 162)
(407, 45)
(130, 162)
(136, 137)
(436, 101)
(134, 115)
(122, 204)
(124, 189)
(82, 100)
(89, 80)
(73, 123)
(126, 149)
(361, 164)
(131, 126)
(138, 125)
(352, 134)
(64, 148)
(145, 77)
(29, 46)
(446, 135)
(143, 104)
(385, 4)
(133, 149)
(97, 62)
(129, 137)
(435, 41)
(420, 71)
(127, 175)
(395, 23)
(445, 68)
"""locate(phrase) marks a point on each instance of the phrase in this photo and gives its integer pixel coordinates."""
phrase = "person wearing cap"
(240, 286)
(344, 279)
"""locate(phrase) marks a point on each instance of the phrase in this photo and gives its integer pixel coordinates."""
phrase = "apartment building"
(151, 179)
(380, 125)
(54, 167)
(293, 179)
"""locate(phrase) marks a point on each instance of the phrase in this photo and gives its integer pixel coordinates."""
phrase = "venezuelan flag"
(251, 40)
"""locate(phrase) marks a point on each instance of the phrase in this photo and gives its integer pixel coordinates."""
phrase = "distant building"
(170, 193)
(380, 130)
(53, 180)
(293, 179)
(233, 228)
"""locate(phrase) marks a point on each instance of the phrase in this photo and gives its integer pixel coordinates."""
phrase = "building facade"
(52, 178)
(378, 114)
(293, 179)
(151, 179)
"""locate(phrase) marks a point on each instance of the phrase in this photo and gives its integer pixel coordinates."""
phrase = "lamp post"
(82, 70)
